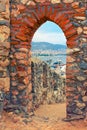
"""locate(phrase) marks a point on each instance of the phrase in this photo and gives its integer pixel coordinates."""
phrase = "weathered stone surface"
(80, 18)
(85, 59)
(23, 50)
(23, 62)
(75, 5)
(4, 10)
(2, 6)
(86, 13)
(4, 63)
(5, 45)
(21, 87)
(26, 80)
(75, 24)
(84, 23)
(85, 83)
(69, 51)
(70, 59)
(31, 3)
(81, 78)
(4, 33)
(85, 28)
(4, 52)
(85, 32)
(42, 1)
(30, 87)
(23, 73)
(24, 1)
(81, 105)
(79, 30)
(14, 92)
(83, 65)
(20, 55)
(84, 98)
(5, 84)
(48, 86)
(67, 1)
(13, 74)
(4, 22)
(21, 37)
(14, 83)
(83, 39)
(76, 50)
(77, 111)
(55, 1)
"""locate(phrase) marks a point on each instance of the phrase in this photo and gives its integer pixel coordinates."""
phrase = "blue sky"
(49, 32)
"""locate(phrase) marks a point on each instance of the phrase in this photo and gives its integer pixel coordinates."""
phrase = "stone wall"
(4, 44)
(47, 86)
(26, 17)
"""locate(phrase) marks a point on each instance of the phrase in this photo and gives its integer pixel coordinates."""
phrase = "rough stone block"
(2, 5)
(55, 1)
(67, 1)
(4, 33)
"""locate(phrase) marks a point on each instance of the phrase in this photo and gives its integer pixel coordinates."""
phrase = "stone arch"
(24, 22)
(42, 13)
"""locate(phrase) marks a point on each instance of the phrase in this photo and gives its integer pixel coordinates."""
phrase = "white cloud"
(53, 37)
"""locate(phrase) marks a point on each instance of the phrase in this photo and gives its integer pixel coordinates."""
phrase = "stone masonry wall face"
(26, 17)
(4, 44)
(48, 86)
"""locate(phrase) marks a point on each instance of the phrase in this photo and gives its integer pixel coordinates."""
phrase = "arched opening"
(30, 20)
(48, 64)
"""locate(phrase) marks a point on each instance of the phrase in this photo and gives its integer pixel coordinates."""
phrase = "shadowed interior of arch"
(48, 64)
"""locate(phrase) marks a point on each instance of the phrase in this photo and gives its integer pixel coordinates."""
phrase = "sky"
(49, 32)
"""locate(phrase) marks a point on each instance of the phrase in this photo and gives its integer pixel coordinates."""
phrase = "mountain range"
(46, 46)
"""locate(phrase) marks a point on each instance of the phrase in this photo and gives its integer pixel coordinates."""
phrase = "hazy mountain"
(46, 46)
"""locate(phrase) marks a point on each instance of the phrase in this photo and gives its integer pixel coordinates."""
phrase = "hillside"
(46, 46)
